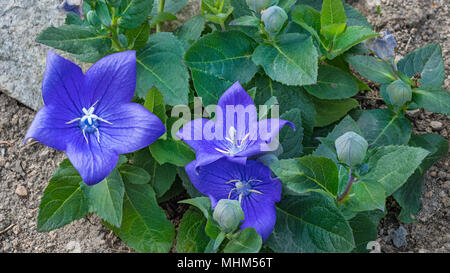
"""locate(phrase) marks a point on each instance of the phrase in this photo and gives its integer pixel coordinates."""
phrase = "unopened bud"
(399, 93)
(351, 148)
(274, 19)
(228, 214)
(258, 5)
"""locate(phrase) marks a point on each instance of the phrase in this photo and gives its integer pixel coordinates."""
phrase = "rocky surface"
(26, 169)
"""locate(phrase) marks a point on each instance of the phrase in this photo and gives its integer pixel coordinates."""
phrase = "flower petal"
(63, 85)
(93, 161)
(194, 135)
(49, 128)
(235, 95)
(259, 214)
(133, 127)
(111, 80)
(270, 128)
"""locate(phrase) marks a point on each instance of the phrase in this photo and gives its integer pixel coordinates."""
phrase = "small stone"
(433, 174)
(422, 250)
(413, 113)
(429, 194)
(399, 237)
(436, 125)
(73, 247)
(21, 191)
(442, 174)
(447, 185)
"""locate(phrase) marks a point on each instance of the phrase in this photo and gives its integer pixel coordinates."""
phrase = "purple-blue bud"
(383, 47)
(72, 6)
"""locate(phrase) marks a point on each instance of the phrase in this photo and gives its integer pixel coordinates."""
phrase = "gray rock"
(22, 59)
(398, 237)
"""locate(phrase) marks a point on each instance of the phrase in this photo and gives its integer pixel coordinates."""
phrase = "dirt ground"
(26, 169)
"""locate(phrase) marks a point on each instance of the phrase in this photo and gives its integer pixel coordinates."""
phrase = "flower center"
(243, 188)
(232, 144)
(89, 122)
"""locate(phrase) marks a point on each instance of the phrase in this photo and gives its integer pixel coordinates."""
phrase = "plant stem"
(160, 9)
(344, 194)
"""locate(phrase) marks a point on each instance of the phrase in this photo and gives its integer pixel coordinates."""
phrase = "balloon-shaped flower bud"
(228, 214)
(383, 47)
(92, 18)
(399, 93)
(113, 3)
(258, 5)
(274, 19)
(351, 148)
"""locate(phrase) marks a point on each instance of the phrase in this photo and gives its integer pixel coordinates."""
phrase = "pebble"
(21, 191)
(399, 237)
(436, 125)
(428, 194)
(73, 247)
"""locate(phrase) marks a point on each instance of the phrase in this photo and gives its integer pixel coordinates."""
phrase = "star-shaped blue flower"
(90, 116)
(236, 134)
(72, 6)
(251, 184)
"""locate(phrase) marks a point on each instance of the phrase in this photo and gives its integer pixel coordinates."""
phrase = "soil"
(26, 169)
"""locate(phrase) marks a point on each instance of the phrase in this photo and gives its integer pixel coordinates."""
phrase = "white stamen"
(222, 151)
(84, 134)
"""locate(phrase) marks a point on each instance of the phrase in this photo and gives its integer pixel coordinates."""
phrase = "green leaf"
(365, 228)
(383, 127)
(408, 196)
(191, 236)
(329, 111)
(62, 201)
(202, 203)
(134, 13)
(187, 185)
(428, 62)
(354, 18)
(160, 64)
(172, 6)
(85, 43)
(219, 59)
(163, 176)
(291, 60)
(332, 13)
(308, 18)
(332, 83)
(247, 20)
(352, 36)
(172, 151)
(291, 140)
(288, 97)
(366, 195)
(372, 69)
(102, 11)
(145, 227)
(106, 198)
(436, 100)
(161, 17)
(245, 241)
(138, 37)
(309, 173)
(154, 102)
(393, 165)
(191, 30)
(310, 224)
(134, 174)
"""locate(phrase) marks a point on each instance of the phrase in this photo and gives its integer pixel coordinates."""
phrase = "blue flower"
(236, 134)
(383, 47)
(72, 6)
(90, 116)
(251, 184)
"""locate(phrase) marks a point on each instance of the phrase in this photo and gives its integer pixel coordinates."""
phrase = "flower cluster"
(222, 169)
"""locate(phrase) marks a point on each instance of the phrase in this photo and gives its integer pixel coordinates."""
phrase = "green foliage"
(310, 223)
(301, 63)
(63, 200)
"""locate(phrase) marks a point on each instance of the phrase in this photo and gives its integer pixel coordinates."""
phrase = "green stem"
(219, 240)
(160, 9)
(351, 180)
